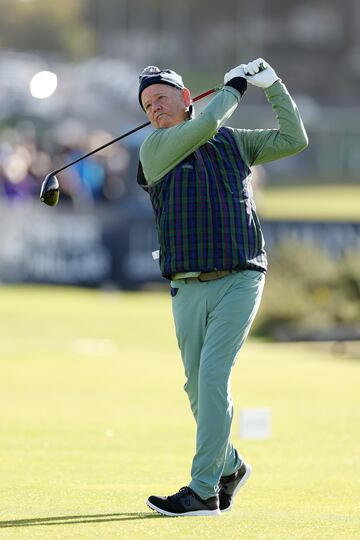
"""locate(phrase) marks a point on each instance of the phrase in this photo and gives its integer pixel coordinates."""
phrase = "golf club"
(50, 188)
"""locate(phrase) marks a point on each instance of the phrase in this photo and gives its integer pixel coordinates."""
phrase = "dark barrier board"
(112, 246)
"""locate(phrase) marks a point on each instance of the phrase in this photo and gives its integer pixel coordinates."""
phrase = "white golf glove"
(259, 73)
(236, 72)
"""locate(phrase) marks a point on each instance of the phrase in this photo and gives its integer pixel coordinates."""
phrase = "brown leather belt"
(210, 276)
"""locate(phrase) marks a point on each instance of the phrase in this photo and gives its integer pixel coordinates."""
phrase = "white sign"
(255, 423)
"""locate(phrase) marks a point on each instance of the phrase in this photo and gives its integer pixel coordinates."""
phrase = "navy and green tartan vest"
(205, 213)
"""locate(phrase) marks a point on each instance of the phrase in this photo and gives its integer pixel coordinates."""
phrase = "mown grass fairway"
(94, 419)
(316, 202)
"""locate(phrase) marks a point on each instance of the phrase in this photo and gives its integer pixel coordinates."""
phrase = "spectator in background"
(18, 184)
(24, 162)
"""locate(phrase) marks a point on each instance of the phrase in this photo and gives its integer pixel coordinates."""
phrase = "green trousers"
(212, 321)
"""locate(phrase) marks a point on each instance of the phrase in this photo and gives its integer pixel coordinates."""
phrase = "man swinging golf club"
(197, 173)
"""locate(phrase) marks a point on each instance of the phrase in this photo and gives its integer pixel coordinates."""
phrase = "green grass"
(328, 202)
(93, 419)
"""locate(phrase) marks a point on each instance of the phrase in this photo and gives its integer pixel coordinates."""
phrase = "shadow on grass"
(71, 520)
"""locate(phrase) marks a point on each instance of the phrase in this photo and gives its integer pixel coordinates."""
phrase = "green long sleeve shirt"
(165, 148)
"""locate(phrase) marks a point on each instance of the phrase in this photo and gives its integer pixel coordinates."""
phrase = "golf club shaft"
(100, 148)
(197, 98)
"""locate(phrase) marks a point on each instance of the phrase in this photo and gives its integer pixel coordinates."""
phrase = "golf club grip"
(261, 68)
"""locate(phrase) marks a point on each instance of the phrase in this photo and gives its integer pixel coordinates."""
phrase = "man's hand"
(236, 79)
(259, 73)
(233, 73)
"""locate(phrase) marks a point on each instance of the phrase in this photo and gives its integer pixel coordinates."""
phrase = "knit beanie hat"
(153, 75)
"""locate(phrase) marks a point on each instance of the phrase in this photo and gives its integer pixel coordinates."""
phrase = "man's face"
(165, 105)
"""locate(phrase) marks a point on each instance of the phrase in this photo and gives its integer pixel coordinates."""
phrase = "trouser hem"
(195, 486)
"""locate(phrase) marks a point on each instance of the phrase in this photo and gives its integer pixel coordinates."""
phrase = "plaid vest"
(205, 214)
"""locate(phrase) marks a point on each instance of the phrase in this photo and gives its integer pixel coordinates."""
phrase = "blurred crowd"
(27, 157)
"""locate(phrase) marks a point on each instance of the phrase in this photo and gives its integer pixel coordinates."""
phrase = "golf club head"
(50, 190)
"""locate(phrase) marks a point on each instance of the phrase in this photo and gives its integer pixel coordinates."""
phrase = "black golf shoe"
(184, 503)
(230, 485)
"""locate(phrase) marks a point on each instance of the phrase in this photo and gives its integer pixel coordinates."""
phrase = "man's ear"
(186, 97)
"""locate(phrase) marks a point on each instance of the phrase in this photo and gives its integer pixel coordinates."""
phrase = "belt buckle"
(203, 274)
(215, 274)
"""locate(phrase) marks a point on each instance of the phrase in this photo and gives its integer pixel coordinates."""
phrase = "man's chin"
(163, 122)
